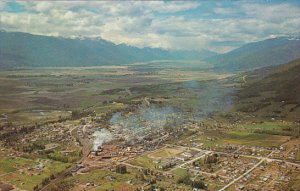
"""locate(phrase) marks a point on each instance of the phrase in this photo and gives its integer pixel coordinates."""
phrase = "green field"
(12, 164)
(180, 172)
(21, 174)
(255, 139)
(240, 138)
(166, 153)
(143, 161)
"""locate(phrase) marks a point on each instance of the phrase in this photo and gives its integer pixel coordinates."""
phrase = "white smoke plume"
(101, 137)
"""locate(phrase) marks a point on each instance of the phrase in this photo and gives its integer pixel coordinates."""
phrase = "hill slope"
(22, 49)
(258, 54)
(272, 92)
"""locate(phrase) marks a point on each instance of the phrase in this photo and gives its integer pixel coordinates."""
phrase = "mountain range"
(259, 54)
(26, 50)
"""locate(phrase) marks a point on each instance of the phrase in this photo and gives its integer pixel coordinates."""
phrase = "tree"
(211, 159)
(198, 184)
(184, 180)
(121, 169)
(52, 176)
(36, 187)
(45, 181)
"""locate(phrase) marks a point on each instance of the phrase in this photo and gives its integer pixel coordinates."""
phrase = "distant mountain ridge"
(258, 54)
(272, 91)
(26, 50)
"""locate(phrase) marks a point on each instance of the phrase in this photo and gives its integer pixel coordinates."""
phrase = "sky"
(185, 25)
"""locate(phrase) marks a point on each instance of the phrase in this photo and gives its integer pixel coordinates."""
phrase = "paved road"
(181, 165)
(189, 162)
(249, 156)
(250, 170)
(262, 159)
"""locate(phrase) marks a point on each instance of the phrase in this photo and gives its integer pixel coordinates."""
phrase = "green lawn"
(255, 139)
(13, 164)
(180, 172)
(5, 167)
(143, 161)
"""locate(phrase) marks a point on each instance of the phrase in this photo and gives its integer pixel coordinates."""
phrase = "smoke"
(101, 137)
(213, 96)
(143, 121)
(200, 99)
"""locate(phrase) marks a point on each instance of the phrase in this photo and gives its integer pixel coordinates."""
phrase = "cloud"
(272, 13)
(3, 6)
(170, 25)
(224, 11)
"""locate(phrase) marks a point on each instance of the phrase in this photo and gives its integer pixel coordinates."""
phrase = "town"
(197, 160)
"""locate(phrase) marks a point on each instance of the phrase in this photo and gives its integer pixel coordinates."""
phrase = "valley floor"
(142, 128)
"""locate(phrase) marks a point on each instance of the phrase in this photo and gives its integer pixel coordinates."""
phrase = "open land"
(157, 125)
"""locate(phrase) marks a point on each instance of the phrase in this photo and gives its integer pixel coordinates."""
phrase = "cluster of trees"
(45, 181)
(153, 187)
(76, 114)
(10, 136)
(211, 159)
(199, 184)
(112, 91)
(62, 185)
(32, 147)
(59, 185)
(71, 157)
(107, 102)
(121, 169)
